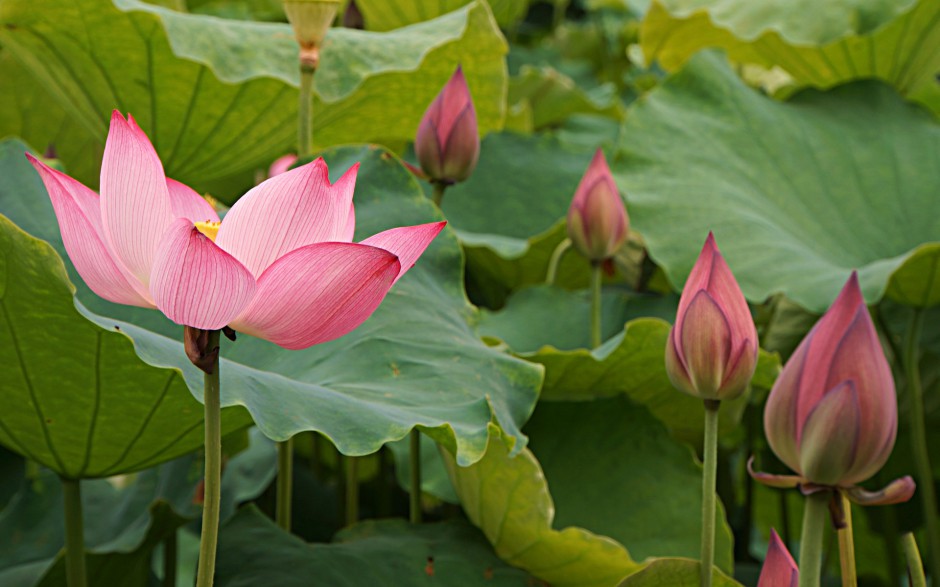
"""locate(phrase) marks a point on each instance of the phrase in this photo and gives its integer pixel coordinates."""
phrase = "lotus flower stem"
(438, 196)
(815, 516)
(596, 275)
(305, 112)
(169, 560)
(928, 491)
(915, 568)
(709, 477)
(847, 545)
(213, 493)
(285, 482)
(555, 260)
(414, 495)
(352, 490)
(74, 534)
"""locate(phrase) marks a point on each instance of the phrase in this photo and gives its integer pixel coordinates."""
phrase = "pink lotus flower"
(779, 569)
(597, 218)
(832, 413)
(448, 142)
(280, 267)
(712, 348)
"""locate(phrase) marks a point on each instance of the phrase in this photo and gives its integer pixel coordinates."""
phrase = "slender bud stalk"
(415, 485)
(213, 493)
(709, 478)
(285, 483)
(555, 260)
(596, 283)
(847, 544)
(915, 568)
(815, 516)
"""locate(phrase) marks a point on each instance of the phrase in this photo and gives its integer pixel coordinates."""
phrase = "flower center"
(209, 228)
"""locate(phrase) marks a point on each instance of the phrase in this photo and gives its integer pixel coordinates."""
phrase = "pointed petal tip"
(771, 480)
(898, 491)
(779, 568)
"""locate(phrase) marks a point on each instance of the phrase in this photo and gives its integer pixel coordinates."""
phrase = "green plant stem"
(352, 490)
(305, 112)
(815, 515)
(74, 534)
(285, 482)
(169, 560)
(847, 545)
(438, 196)
(596, 274)
(414, 495)
(915, 568)
(925, 484)
(210, 509)
(555, 260)
(709, 477)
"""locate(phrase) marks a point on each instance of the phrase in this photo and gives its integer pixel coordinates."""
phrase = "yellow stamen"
(209, 228)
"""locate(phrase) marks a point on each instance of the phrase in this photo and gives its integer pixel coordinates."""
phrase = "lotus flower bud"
(712, 348)
(832, 414)
(779, 569)
(310, 19)
(597, 218)
(448, 143)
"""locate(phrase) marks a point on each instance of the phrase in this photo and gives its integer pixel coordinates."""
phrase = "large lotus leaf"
(798, 194)
(548, 326)
(415, 362)
(917, 281)
(219, 96)
(551, 96)
(254, 551)
(384, 15)
(817, 44)
(675, 572)
(27, 111)
(509, 500)
(76, 397)
(613, 472)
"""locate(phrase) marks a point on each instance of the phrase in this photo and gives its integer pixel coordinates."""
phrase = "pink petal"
(724, 288)
(451, 102)
(319, 292)
(675, 366)
(406, 242)
(831, 435)
(196, 283)
(287, 212)
(705, 340)
(135, 203)
(76, 208)
(186, 203)
(281, 164)
(780, 412)
(779, 568)
(898, 491)
(771, 480)
(462, 147)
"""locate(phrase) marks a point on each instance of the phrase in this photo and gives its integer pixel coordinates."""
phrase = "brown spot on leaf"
(429, 568)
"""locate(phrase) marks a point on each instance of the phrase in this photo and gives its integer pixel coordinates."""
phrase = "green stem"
(74, 533)
(352, 490)
(415, 487)
(305, 113)
(596, 274)
(438, 196)
(285, 482)
(925, 484)
(815, 514)
(210, 508)
(555, 260)
(709, 477)
(847, 545)
(169, 560)
(915, 568)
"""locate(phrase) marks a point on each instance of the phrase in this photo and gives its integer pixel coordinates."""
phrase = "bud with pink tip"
(712, 348)
(779, 568)
(597, 219)
(832, 414)
(448, 142)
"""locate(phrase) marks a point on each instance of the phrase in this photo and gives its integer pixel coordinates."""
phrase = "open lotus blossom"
(779, 568)
(832, 413)
(597, 218)
(448, 143)
(281, 266)
(712, 348)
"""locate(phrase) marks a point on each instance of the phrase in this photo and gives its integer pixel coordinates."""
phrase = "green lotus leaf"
(548, 326)
(895, 41)
(580, 514)
(675, 572)
(417, 361)
(218, 97)
(384, 15)
(917, 282)
(798, 194)
(552, 97)
(254, 551)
